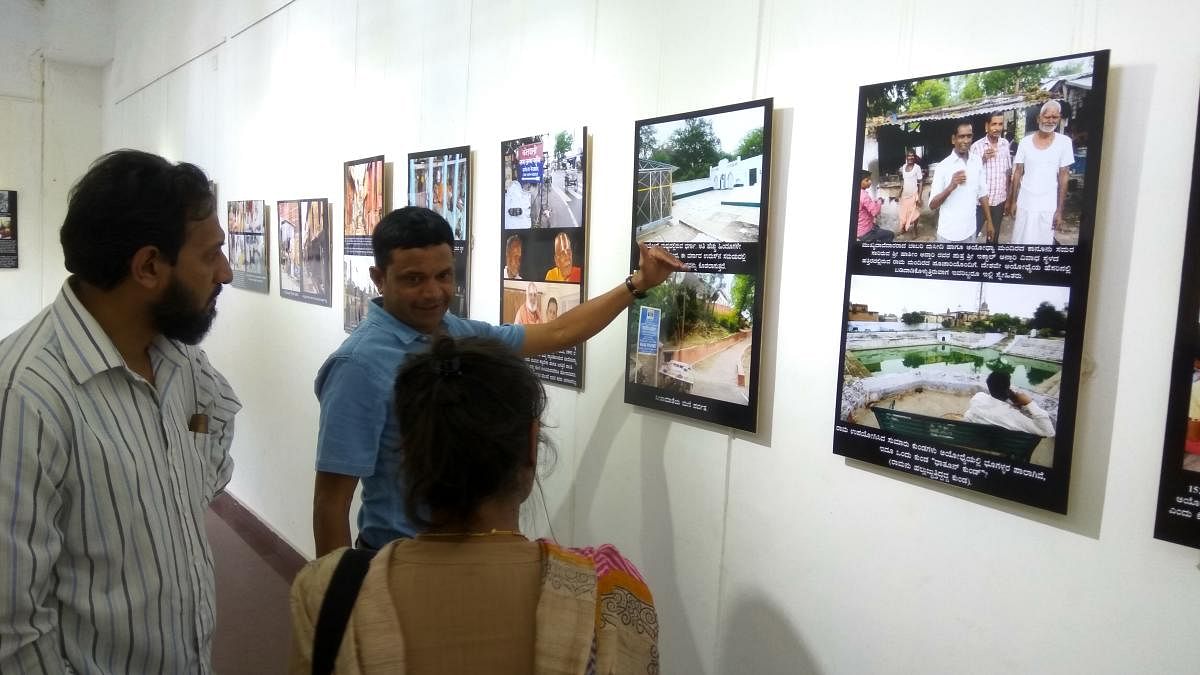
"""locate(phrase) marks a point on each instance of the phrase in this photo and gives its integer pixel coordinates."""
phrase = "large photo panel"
(972, 213)
(364, 191)
(700, 190)
(543, 221)
(441, 180)
(1178, 518)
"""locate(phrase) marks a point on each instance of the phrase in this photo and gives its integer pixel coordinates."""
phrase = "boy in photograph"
(868, 210)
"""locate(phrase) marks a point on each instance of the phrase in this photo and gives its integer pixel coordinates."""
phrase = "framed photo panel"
(304, 250)
(701, 184)
(365, 204)
(1178, 518)
(971, 216)
(441, 180)
(8, 229)
(248, 245)
(543, 216)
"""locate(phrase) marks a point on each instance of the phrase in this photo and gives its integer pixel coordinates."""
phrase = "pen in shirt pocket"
(198, 423)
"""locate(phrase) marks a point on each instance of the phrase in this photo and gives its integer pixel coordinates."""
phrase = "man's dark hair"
(129, 199)
(465, 409)
(960, 125)
(409, 227)
(995, 115)
(863, 173)
(998, 384)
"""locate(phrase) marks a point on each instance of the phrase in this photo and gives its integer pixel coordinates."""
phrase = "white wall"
(767, 553)
(50, 117)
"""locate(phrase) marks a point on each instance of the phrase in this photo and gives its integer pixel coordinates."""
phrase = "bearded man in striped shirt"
(115, 433)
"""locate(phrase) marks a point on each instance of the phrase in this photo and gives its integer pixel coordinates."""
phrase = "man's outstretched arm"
(581, 323)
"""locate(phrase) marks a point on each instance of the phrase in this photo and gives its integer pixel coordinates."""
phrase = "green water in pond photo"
(1026, 373)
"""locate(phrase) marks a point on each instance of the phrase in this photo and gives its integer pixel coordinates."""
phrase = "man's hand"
(1057, 223)
(958, 178)
(1019, 398)
(989, 229)
(655, 264)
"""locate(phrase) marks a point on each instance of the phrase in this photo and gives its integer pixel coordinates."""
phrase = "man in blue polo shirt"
(414, 271)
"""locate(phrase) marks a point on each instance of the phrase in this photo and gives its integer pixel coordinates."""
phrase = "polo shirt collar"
(87, 349)
(406, 333)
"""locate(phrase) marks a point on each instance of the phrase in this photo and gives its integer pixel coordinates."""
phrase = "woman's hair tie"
(449, 366)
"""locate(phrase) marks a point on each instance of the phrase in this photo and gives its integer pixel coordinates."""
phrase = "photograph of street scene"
(363, 190)
(543, 180)
(701, 178)
(304, 250)
(358, 289)
(247, 245)
(440, 180)
(704, 344)
(955, 363)
(1024, 137)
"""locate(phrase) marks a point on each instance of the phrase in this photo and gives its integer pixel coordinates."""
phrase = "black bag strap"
(336, 606)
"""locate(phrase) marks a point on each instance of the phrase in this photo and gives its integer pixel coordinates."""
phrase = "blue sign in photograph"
(531, 171)
(648, 321)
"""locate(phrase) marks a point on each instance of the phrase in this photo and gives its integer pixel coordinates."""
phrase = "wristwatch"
(633, 290)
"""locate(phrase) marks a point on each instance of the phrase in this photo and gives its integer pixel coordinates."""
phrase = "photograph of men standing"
(993, 150)
(958, 186)
(1039, 182)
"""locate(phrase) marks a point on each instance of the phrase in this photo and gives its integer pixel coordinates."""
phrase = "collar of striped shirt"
(87, 349)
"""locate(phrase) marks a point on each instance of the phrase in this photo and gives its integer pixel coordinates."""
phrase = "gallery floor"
(253, 578)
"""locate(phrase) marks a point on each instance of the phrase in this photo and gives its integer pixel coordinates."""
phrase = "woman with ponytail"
(471, 594)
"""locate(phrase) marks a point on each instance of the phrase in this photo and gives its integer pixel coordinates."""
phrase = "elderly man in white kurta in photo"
(958, 187)
(1040, 179)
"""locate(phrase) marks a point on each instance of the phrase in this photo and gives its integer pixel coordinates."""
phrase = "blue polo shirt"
(359, 434)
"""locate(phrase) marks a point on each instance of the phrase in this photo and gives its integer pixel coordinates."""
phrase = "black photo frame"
(897, 422)
(702, 367)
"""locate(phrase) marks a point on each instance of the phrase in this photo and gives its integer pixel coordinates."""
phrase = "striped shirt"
(998, 170)
(104, 562)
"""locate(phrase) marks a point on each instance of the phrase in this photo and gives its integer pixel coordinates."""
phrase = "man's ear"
(377, 277)
(149, 268)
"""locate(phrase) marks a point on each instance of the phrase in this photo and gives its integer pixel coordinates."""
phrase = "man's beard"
(1047, 128)
(177, 318)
